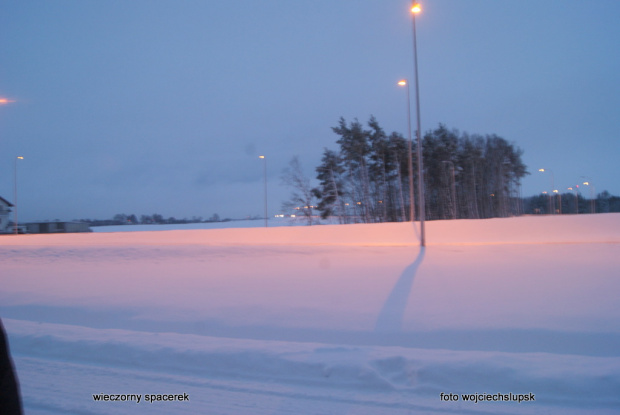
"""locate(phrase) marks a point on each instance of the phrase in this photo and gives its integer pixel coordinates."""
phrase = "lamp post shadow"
(392, 313)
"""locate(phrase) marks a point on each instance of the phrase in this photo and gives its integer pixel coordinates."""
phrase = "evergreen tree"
(354, 150)
(330, 192)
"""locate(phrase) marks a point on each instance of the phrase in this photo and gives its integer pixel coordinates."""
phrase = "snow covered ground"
(333, 319)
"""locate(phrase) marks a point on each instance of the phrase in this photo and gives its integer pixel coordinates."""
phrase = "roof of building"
(9, 204)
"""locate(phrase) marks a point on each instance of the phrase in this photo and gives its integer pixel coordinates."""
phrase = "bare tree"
(302, 196)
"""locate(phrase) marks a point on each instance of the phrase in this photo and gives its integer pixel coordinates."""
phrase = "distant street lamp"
(15, 193)
(404, 82)
(265, 180)
(452, 187)
(575, 189)
(559, 196)
(553, 190)
(592, 193)
(415, 9)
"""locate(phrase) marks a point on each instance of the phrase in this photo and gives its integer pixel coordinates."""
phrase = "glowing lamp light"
(4, 101)
(402, 82)
(416, 8)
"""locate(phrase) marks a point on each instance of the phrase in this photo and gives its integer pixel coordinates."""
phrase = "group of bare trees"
(367, 180)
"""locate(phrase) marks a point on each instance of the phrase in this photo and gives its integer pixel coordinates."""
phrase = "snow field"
(328, 319)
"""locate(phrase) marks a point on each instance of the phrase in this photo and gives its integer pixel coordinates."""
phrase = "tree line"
(571, 203)
(132, 219)
(367, 178)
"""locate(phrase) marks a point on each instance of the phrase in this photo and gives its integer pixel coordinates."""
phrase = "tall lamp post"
(415, 9)
(265, 180)
(404, 82)
(15, 193)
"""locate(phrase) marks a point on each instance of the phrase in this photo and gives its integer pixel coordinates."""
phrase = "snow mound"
(561, 379)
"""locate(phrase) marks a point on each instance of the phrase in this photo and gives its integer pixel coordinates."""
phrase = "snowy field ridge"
(333, 319)
(566, 379)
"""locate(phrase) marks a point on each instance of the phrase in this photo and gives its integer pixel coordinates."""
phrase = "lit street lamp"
(553, 190)
(15, 194)
(559, 196)
(415, 9)
(265, 179)
(409, 161)
(592, 193)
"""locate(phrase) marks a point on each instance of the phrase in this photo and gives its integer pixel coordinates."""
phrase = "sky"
(161, 106)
